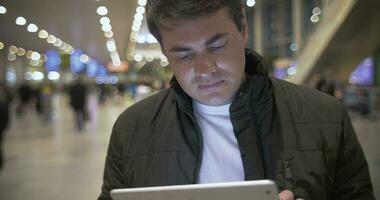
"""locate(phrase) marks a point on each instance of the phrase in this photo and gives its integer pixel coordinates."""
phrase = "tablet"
(245, 190)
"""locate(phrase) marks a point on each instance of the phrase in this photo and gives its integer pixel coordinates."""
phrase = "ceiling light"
(136, 23)
(43, 34)
(37, 75)
(69, 49)
(32, 28)
(291, 71)
(102, 10)
(29, 54)
(163, 58)
(53, 76)
(251, 3)
(20, 51)
(28, 76)
(63, 46)
(164, 63)
(84, 58)
(1, 45)
(108, 34)
(142, 2)
(11, 57)
(111, 46)
(132, 40)
(136, 28)
(11, 76)
(133, 34)
(293, 47)
(137, 57)
(140, 9)
(35, 56)
(51, 39)
(314, 18)
(3, 10)
(114, 55)
(116, 63)
(149, 58)
(138, 17)
(317, 11)
(105, 20)
(13, 49)
(106, 27)
(116, 59)
(34, 63)
(58, 42)
(20, 21)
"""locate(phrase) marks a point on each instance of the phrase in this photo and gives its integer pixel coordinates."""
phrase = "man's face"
(207, 57)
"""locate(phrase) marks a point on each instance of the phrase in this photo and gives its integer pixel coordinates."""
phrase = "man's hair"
(164, 14)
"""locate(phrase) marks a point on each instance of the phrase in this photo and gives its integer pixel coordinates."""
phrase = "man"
(78, 98)
(224, 119)
(5, 100)
(25, 93)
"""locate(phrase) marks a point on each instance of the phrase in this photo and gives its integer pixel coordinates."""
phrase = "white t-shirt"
(221, 161)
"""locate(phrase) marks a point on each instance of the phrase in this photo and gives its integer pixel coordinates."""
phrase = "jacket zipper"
(200, 146)
(289, 179)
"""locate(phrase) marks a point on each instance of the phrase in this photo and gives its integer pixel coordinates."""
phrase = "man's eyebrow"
(179, 49)
(216, 37)
(210, 41)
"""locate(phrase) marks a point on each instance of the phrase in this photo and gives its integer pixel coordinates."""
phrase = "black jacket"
(300, 138)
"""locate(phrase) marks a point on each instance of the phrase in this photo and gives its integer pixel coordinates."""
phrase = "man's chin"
(214, 101)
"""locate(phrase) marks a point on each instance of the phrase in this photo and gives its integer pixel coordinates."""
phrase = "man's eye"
(184, 57)
(217, 48)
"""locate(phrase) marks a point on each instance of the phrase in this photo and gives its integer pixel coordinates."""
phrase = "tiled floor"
(368, 132)
(50, 160)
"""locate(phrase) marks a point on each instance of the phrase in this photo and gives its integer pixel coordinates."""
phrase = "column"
(377, 68)
(258, 27)
(297, 14)
(3, 66)
(281, 30)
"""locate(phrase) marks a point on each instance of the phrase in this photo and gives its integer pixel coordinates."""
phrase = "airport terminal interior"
(97, 56)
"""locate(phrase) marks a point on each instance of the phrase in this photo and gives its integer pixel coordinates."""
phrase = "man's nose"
(204, 65)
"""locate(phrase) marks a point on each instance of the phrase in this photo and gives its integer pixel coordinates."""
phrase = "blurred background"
(69, 68)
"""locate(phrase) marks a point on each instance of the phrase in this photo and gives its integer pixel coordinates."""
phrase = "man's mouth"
(210, 85)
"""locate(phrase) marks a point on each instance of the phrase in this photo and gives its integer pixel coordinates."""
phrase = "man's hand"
(286, 195)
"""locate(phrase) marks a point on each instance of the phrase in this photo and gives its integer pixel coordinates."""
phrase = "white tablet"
(245, 190)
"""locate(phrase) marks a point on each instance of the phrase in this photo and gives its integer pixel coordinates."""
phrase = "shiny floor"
(51, 160)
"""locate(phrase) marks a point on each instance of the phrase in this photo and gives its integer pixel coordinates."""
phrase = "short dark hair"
(162, 14)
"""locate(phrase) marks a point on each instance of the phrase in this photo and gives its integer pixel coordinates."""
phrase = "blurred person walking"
(78, 98)
(25, 94)
(326, 86)
(5, 100)
(46, 95)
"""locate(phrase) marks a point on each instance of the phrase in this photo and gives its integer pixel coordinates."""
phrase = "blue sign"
(364, 73)
(53, 61)
(76, 65)
(92, 68)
